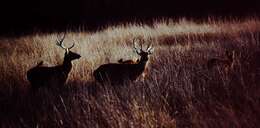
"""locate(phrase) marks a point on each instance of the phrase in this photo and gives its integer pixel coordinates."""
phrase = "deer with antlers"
(40, 76)
(117, 73)
(227, 63)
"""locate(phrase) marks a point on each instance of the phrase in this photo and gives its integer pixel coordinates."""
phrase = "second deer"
(118, 73)
(226, 63)
(40, 76)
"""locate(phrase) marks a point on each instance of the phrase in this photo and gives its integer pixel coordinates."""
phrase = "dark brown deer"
(117, 73)
(226, 63)
(40, 76)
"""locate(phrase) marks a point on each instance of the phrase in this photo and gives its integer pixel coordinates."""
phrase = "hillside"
(179, 91)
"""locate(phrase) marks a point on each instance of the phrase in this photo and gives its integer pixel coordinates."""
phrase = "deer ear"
(151, 51)
(137, 51)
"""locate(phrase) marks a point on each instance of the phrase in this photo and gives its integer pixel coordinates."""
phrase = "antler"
(60, 41)
(72, 46)
(149, 48)
(138, 51)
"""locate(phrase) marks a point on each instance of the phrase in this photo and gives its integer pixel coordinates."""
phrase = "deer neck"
(142, 65)
(66, 66)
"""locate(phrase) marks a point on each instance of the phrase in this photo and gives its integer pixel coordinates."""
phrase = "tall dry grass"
(179, 91)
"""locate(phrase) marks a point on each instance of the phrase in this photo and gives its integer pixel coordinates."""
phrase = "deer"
(227, 63)
(118, 73)
(40, 76)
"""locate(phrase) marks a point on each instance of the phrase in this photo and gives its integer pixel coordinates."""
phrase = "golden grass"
(179, 91)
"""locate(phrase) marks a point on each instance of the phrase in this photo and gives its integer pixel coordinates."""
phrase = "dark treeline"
(22, 17)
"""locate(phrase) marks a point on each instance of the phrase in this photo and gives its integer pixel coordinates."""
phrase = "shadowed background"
(21, 17)
(185, 94)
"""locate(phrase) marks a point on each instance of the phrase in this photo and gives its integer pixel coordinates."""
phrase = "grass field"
(179, 92)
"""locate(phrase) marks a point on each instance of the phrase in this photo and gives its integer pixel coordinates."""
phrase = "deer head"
(69, 55)
(144, 54)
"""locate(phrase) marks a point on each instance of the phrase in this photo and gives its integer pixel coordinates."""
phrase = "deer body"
(227, 63)
(40, 76)
(120, 72)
